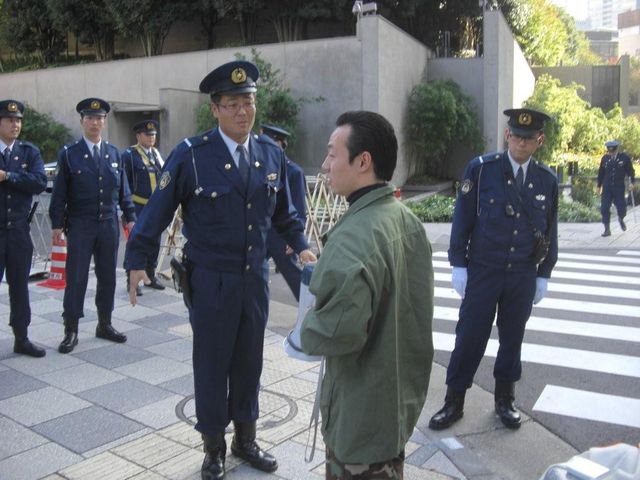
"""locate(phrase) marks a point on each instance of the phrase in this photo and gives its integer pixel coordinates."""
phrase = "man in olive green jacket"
(374, 308)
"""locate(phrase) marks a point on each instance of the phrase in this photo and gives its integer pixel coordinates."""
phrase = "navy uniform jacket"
(298, 189)
(482, 231)
(139, 175)
(613, 170)
(25, 178)
(225, 226)
(80, 191)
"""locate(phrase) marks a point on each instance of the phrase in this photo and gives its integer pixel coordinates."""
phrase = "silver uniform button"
(515, 232)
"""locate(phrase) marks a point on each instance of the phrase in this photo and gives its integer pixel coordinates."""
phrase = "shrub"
(583, 191)
(433, 209)
(43, 131)
(439, 117)
(575, 212)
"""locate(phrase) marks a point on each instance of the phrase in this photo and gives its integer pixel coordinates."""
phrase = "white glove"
(459, 280)
(541, 289)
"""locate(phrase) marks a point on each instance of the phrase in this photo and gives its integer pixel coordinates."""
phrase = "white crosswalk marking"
(606, 289)
(589, 405)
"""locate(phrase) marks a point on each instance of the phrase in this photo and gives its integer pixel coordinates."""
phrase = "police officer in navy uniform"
(614, 166)
(21, 177)
(232, 186)
(90, 184)
(503, 247)
(286, 261)
(143, 164)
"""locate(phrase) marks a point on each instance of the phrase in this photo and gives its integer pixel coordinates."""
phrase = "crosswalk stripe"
(565, 304)
(629, 252)
(589, 405)
(598, 258)
(574, 265)
(595, 277)
(558, 356)
(564, 327)
(572, 288)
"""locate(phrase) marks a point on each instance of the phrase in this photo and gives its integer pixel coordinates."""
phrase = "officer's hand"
(599, 190)
(288, 250)
(135, 277)
(459, 280)
(631, 187)
(3, 175)
(307, 256)
(57, 235)
(541, 289)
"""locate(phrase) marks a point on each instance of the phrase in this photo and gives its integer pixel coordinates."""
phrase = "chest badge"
(164, 180)
(272, 176)
(466, 186)
(114, 164)
(540, 197)
(24, 165)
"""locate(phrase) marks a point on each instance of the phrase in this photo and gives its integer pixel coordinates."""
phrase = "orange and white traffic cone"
(56, 278)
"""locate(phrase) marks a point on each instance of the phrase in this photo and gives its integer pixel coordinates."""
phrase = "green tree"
(147, 20)
(28, 30)
(289, 17)
(89, 21)
(246, 13)
(440, 117)
(42, 130)
(209, 13)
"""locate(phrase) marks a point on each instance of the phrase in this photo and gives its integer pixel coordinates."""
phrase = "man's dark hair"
(373, 133)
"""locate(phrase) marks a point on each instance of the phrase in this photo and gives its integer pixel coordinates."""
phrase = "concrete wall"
(374, 70)
(392, 64)
(499, 80)
(508, 80)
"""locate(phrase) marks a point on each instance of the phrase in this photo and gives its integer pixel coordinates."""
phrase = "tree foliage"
(43, 131)
(577, 130)
(89, 21)
(28, 30)
(439, 117)
(147, 20)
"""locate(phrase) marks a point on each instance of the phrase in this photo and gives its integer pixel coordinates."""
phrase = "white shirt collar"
(232, 145)
(515, 165)
(3, 146)
(90, 144)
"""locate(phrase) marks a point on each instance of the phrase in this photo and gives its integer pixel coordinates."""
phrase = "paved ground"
(111, 411)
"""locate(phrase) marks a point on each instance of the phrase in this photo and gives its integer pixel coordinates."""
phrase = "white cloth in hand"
(541, 289)
(459, 280)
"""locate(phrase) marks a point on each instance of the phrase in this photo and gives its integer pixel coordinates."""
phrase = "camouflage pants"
(389, 470)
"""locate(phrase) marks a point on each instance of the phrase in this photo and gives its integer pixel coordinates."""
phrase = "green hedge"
(439, 209)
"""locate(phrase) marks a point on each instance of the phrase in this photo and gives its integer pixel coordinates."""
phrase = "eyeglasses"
(518, 138)
(235, 107)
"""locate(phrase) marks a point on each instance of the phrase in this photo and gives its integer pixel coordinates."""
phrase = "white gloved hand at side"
(459, 280)
(541, 289)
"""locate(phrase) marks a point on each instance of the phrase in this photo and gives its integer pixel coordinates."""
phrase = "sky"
(578, 9)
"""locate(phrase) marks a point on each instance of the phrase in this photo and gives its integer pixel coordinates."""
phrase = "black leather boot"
(245, 447)
(155, 283)
(451, 412)
(215, 449)
(106, 331)
(504, 397)
(607, 231)
(23, 345)
(138, 289)
(70, 339)
(623, 225)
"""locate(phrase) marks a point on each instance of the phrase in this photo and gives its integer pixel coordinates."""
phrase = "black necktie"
(243, 165)
(520, 178)
(7, 156)
(96, 156)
